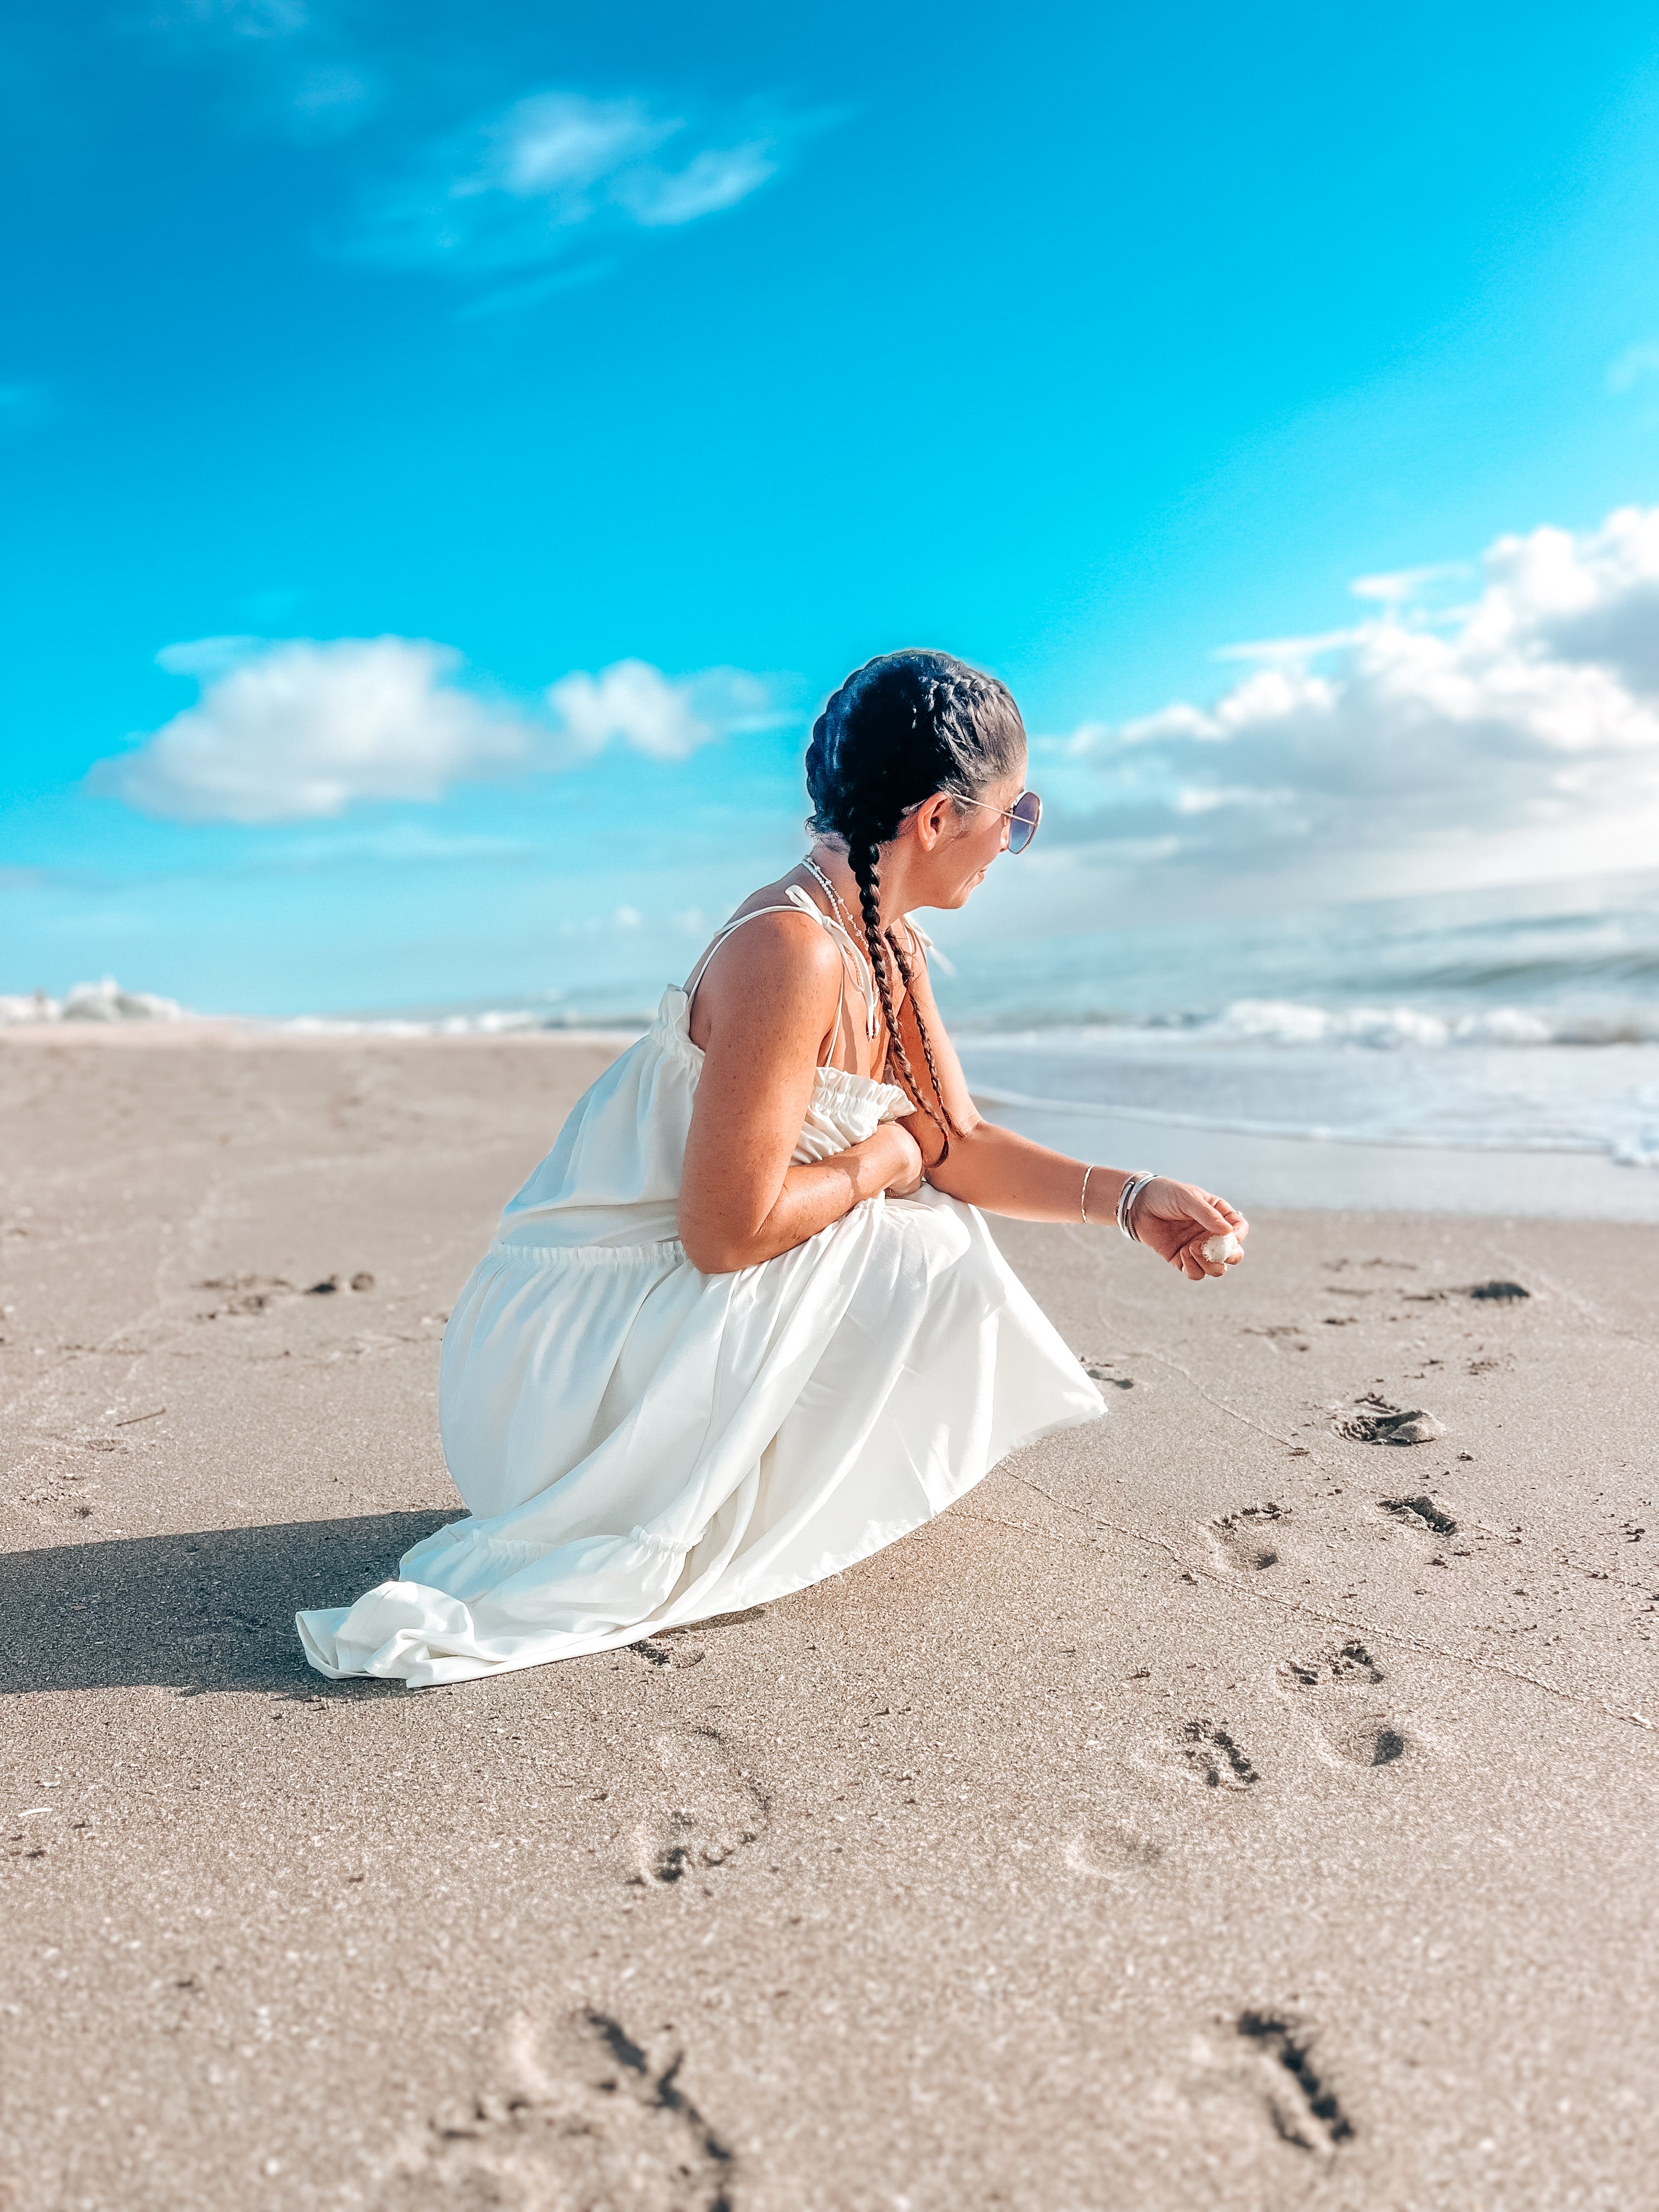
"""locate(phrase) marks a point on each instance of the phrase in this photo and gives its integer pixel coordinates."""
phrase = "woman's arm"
(765, 1008)
(1001, 1173)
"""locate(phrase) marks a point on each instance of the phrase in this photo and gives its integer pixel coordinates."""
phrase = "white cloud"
(1527, 723)
(1398, 587)
(559, 143)
(1276, 649)
(299, 730)
(718, 179)
(665, 717)
(517, 191)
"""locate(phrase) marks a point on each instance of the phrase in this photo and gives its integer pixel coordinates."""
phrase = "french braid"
(864, 856)
(906, 977)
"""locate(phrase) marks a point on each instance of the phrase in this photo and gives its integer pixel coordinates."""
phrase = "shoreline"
(237, 1031)
(1351, 1175)
(1310, 1173)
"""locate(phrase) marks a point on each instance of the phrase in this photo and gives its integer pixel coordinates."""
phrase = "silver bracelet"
(1126, 1198)
(1083, 1202)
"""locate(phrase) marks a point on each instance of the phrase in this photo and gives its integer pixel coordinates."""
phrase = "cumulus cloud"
(662, 716)
(519, 190)
(299, 730)
(1531, 714)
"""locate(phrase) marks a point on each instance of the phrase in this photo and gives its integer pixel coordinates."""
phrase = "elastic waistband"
(667, 1250)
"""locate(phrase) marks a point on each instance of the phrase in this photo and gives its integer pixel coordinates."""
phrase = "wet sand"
(1212, 1809)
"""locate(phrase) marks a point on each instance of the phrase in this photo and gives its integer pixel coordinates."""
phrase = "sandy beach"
(1215, 1808)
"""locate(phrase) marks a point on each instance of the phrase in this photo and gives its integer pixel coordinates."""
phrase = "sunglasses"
(1022, 817)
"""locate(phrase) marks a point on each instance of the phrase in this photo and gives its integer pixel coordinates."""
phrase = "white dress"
(642, 1445)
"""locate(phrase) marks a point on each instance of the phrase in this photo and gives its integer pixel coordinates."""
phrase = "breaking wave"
(1393, 1028)
(91, 1002)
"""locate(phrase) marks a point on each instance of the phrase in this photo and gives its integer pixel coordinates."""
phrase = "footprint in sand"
(1421, 1512)
(1377, 1422)
(254, 1294)
(1364, 1739)
(660, 1652)
(1280, 1332)
(245, 1294)
(1302, 2106)
(1371, 1741)
(1247, 1542)
(588, 2116)
(1214, 1757)
(719, 1808)
(1343, 1668)
(1099, 1369)
(1112, 1852)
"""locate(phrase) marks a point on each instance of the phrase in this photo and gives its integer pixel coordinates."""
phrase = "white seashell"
(1218, 1249)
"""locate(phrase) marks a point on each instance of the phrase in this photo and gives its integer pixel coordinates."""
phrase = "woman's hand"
(908, 1164)
(1177, 1219)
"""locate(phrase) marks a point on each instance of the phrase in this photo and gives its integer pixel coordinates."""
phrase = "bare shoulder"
(779, 959)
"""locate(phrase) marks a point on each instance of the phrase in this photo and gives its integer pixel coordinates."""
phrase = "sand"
(1212, 1809)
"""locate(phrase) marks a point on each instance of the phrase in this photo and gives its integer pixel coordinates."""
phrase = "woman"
(744, 1324)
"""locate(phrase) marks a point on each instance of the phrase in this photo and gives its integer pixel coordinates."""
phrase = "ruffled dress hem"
(415, 1660)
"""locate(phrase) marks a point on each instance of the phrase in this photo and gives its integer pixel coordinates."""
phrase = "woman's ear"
(929, 819)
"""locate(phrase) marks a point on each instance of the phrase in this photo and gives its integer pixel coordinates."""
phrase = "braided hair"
(899, 729)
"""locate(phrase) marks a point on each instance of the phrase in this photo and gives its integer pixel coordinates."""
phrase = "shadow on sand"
(208, 1611)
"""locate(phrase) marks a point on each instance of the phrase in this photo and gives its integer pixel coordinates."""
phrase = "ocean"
(1519, 1022)
(1498, 1021)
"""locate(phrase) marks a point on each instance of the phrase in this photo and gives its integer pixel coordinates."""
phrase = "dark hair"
(901, 728)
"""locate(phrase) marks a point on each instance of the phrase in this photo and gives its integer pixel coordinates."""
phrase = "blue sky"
(629, 374)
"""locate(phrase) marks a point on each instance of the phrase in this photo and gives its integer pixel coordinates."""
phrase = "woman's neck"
(835, 866)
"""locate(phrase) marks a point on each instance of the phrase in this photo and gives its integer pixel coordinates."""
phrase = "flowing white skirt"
(642, 1445)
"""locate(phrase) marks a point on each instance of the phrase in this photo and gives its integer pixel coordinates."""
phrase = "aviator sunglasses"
(1022, 817)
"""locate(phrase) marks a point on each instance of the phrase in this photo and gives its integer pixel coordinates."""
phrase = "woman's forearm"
(812, 1198)
(1001, 1173)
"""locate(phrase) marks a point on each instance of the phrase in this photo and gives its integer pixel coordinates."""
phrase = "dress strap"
(850, 950)
(799, 903)
(840, 1013)
(931, 955)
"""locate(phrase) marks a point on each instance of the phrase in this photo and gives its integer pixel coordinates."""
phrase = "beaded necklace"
(818, 876)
